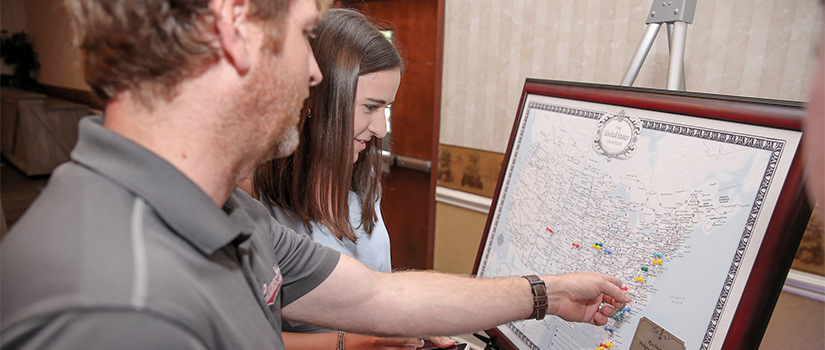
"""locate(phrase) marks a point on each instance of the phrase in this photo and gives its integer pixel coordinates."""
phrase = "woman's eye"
(371, 108)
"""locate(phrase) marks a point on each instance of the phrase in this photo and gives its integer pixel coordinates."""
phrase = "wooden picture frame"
(714, 182)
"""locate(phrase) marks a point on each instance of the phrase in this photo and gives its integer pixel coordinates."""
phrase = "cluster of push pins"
(597, 246)
(620, 313)
(657, 261)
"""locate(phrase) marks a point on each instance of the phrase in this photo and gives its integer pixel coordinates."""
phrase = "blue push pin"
(627, 309)
(658, 255)
(608, 251)
(608, 329)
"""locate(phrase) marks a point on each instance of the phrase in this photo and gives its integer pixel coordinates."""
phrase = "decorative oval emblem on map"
(616, 135)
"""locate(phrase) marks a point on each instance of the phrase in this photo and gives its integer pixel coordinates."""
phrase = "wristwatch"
(539, 296)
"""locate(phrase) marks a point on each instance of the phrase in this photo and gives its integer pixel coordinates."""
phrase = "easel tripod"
(676, 14)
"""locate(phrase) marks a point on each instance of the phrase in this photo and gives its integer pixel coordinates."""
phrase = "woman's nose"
(378, 125)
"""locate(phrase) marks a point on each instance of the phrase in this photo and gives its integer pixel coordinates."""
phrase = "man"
(814, 130)
(143, 241)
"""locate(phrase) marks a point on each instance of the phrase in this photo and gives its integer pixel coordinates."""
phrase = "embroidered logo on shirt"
(271, 290)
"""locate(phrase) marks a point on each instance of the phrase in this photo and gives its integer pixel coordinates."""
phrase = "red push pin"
(624, 288)
(549, 230)
(576, 245)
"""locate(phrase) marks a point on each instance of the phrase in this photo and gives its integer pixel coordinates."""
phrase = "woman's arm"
(352, 341)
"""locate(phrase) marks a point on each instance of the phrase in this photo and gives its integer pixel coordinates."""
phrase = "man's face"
(279, 83)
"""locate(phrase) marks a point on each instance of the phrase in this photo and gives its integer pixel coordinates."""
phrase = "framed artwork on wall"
(695, 201)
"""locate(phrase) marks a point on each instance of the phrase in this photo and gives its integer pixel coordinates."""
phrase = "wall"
(760, 48)
(457, 248)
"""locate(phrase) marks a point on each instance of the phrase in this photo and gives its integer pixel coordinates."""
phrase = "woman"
(330, 187)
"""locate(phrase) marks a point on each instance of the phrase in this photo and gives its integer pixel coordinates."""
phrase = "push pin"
(658, 261)
(595, 246)
(658, 255)
(640, 279)
(549, 230)
(608, 345)
(608, 329)
(624, 288)
(576, 245)
(600, 348)
(608, 251)
(644, 268)
(626, 309)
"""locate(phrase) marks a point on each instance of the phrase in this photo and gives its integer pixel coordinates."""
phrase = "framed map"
(695, 201)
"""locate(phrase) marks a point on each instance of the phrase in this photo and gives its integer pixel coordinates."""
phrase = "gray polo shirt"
(121, 250)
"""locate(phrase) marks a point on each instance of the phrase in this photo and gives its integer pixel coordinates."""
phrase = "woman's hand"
(358, 341)
(438, 342)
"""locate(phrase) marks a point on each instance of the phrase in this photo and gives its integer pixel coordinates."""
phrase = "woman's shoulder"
(287, 218)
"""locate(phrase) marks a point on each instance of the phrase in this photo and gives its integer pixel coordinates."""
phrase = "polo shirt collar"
(178, 201)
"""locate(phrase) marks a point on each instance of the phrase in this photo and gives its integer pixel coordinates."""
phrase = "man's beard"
(271, 106)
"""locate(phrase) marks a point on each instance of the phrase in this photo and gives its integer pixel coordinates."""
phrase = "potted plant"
(18, 52)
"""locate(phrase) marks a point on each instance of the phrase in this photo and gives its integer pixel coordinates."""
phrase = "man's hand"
(578, 297)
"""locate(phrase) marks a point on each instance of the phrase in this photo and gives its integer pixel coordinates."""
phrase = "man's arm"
(413, 303)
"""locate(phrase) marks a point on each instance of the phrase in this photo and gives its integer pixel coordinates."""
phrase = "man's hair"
(149, 46)
(315, 181)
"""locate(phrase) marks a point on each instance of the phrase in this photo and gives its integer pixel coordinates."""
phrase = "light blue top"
(372, 250)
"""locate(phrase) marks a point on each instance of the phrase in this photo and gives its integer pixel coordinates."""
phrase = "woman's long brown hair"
(314, 182)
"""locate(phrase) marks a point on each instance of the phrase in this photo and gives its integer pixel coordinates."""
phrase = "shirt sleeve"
(108, 329)
(304, 263)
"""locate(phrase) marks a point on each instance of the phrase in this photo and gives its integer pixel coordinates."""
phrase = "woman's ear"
(231, 25)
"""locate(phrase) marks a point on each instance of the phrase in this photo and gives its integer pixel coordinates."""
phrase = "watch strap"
(539, 290)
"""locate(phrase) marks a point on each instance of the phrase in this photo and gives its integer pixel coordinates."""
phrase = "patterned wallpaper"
(759, 48)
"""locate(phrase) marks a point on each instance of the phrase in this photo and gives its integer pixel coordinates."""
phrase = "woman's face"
(374, 93)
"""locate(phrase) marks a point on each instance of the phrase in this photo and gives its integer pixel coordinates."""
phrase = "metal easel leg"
(676, 68)
(641, 53)
(676, 14)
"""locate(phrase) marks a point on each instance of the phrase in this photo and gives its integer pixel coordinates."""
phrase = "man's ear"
(233, 35)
